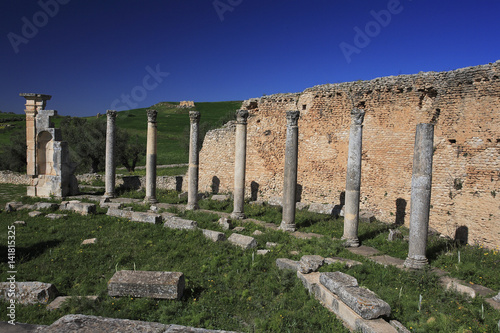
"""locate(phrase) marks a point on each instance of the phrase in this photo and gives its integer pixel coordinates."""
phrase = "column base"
(350, 242)
(288, 227)
(108, 196)
(191, 206)
(417, 262)
(150, 200)
(238, 216)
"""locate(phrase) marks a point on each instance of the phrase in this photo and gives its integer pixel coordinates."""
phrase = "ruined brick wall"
(464, 105)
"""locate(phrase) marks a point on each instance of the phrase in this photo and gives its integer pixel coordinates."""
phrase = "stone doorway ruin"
(47, 155)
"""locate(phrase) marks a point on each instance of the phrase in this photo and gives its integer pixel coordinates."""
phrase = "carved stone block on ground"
(335, 281)
(28, 292)
(220, 197)
(89, 241)
(225, 223)
(346, 262)
(76, 206)
(366, 216)
(163, 285)
(46, 205)
(175, 222)
(328, 209)
(119, 213)
(285, 263)
(215, 236)
(262, 252)
(55, 216)
(13, 206)
(145, 217)
(245, 242)
(364, 302)
(34, 213)
(310, 263)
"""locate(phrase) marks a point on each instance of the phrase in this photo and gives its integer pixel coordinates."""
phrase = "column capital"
(111, 114)
(152, 116)
(36, 96)
(35, 102)
(242, 116)
(357, 116)
(292, 118)
(194, 116)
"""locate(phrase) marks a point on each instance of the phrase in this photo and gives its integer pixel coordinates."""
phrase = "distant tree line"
(87, 144)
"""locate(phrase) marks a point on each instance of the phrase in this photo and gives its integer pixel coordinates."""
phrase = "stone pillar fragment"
(353, 179)
(110, 154)
(34, 103)
(290, 172)
(151, 158)
(240, 164)
(194, 118)
(421, 183)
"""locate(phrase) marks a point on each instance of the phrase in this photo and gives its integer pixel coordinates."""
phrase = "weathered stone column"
(353, 179)
(240, 164)
(194, 118)
(290, 173)
(151, 158)
(110, 154)
(34, 103)
(421, 182)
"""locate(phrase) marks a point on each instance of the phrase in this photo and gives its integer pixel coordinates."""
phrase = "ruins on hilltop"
(186, 104)
(462, 104)
(47, 156)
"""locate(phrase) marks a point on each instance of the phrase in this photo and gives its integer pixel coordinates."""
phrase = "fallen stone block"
(374, 326)
(262, 252)
(34, 213)
(239, 229)
(245, 242)
(310, 263)
(225, 223)
(334, 281)
(363, 301)
(270, 244)
(328, 209)
(285, 263)
(497, 298)
(301, 205)
(28, 292)
(220, 197)
(12, 206)
(119, 213)
(366, 216)
(115, 205)
(162, 285)
(458, 286)
(76, 206)
(215, 236)
(175, 222)
(145, 217)
(89, 241)
(56, 216)
(46, 205)
(257, 233)
(20, 223)
(59, 301)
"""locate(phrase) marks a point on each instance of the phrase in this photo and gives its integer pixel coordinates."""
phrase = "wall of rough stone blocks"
(464, 104)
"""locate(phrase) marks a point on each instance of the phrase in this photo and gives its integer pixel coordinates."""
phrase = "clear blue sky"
(90, 55)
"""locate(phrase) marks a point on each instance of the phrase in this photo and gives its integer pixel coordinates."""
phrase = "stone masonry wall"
(464, 104)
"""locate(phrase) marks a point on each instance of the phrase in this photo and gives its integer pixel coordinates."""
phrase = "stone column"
(194, 118)
(151, 158)
(290, 172)
(240, 164)
(34, 103)
(353, 179)
(421, 182)
(110, 154)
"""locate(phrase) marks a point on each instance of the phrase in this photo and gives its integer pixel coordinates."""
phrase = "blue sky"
(97, 55)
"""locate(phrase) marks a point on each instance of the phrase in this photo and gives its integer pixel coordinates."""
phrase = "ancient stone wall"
(464, 104)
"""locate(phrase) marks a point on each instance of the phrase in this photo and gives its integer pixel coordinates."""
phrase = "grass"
(228, 288)
(174, 171)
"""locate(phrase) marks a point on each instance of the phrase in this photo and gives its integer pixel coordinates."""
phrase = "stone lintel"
(161, 285)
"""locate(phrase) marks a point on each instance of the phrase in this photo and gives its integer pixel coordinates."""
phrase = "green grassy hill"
(173, 126)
